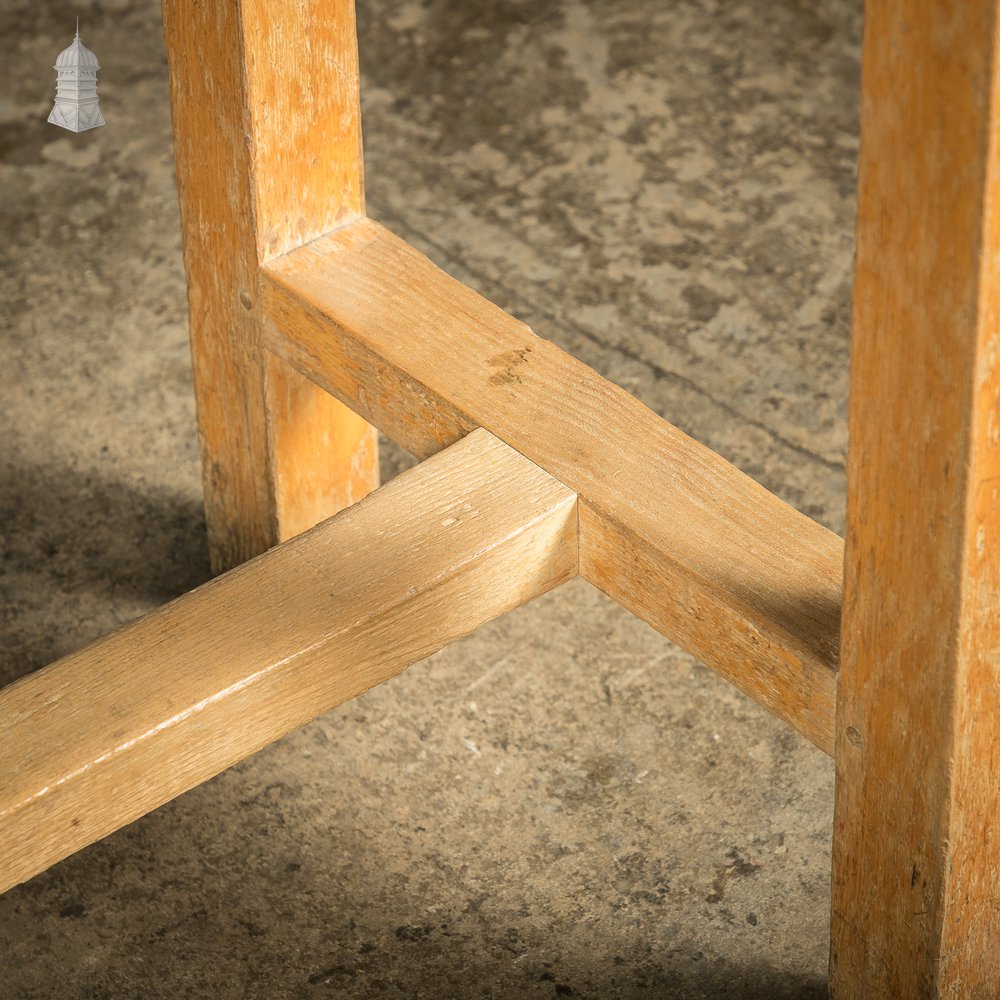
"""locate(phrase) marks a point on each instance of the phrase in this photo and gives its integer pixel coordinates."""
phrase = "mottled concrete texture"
(563, 804)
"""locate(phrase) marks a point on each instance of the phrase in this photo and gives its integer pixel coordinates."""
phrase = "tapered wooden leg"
(267, 142)
(916, 857)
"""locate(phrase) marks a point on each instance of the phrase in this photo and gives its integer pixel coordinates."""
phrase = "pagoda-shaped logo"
(76, 106)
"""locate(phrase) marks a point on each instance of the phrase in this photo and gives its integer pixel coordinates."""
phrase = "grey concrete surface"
(563, 804)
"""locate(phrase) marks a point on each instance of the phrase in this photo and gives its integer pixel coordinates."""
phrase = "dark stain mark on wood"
(506, 363)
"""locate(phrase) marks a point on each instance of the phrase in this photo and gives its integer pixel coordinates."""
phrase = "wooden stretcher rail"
(668, 528)
(106, 734)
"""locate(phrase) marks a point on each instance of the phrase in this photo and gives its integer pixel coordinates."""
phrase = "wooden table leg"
(267, 139)
(916, 858)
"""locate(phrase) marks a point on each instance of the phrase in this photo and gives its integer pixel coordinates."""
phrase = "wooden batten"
(669, 529)
(99, 738)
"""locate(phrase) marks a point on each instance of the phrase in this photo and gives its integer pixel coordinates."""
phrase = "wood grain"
(270, 88)
(668, 528)
(331, 459)
(916, 876)
(106, 734)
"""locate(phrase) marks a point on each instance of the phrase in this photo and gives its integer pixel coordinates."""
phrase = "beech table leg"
(267, 139)
(916, 855)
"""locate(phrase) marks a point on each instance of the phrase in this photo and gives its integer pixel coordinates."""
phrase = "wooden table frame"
(311, 325)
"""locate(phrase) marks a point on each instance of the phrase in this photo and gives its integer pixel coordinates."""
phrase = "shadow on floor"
(219, 893)
(85, 551)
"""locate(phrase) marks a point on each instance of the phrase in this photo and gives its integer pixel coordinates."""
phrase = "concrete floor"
(563, 804)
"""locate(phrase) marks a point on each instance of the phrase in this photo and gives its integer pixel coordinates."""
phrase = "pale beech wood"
(106, 734)
(667, 527)
(916, 854)
(267, 140)
(301, 423)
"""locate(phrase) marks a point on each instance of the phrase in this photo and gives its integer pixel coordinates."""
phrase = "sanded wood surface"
(916, 877)
(315, 433)
(106, 734)
(264, 97)
(668, 528)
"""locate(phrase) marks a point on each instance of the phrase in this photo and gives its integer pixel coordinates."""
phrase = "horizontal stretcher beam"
(669, 529)
(105, 735)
